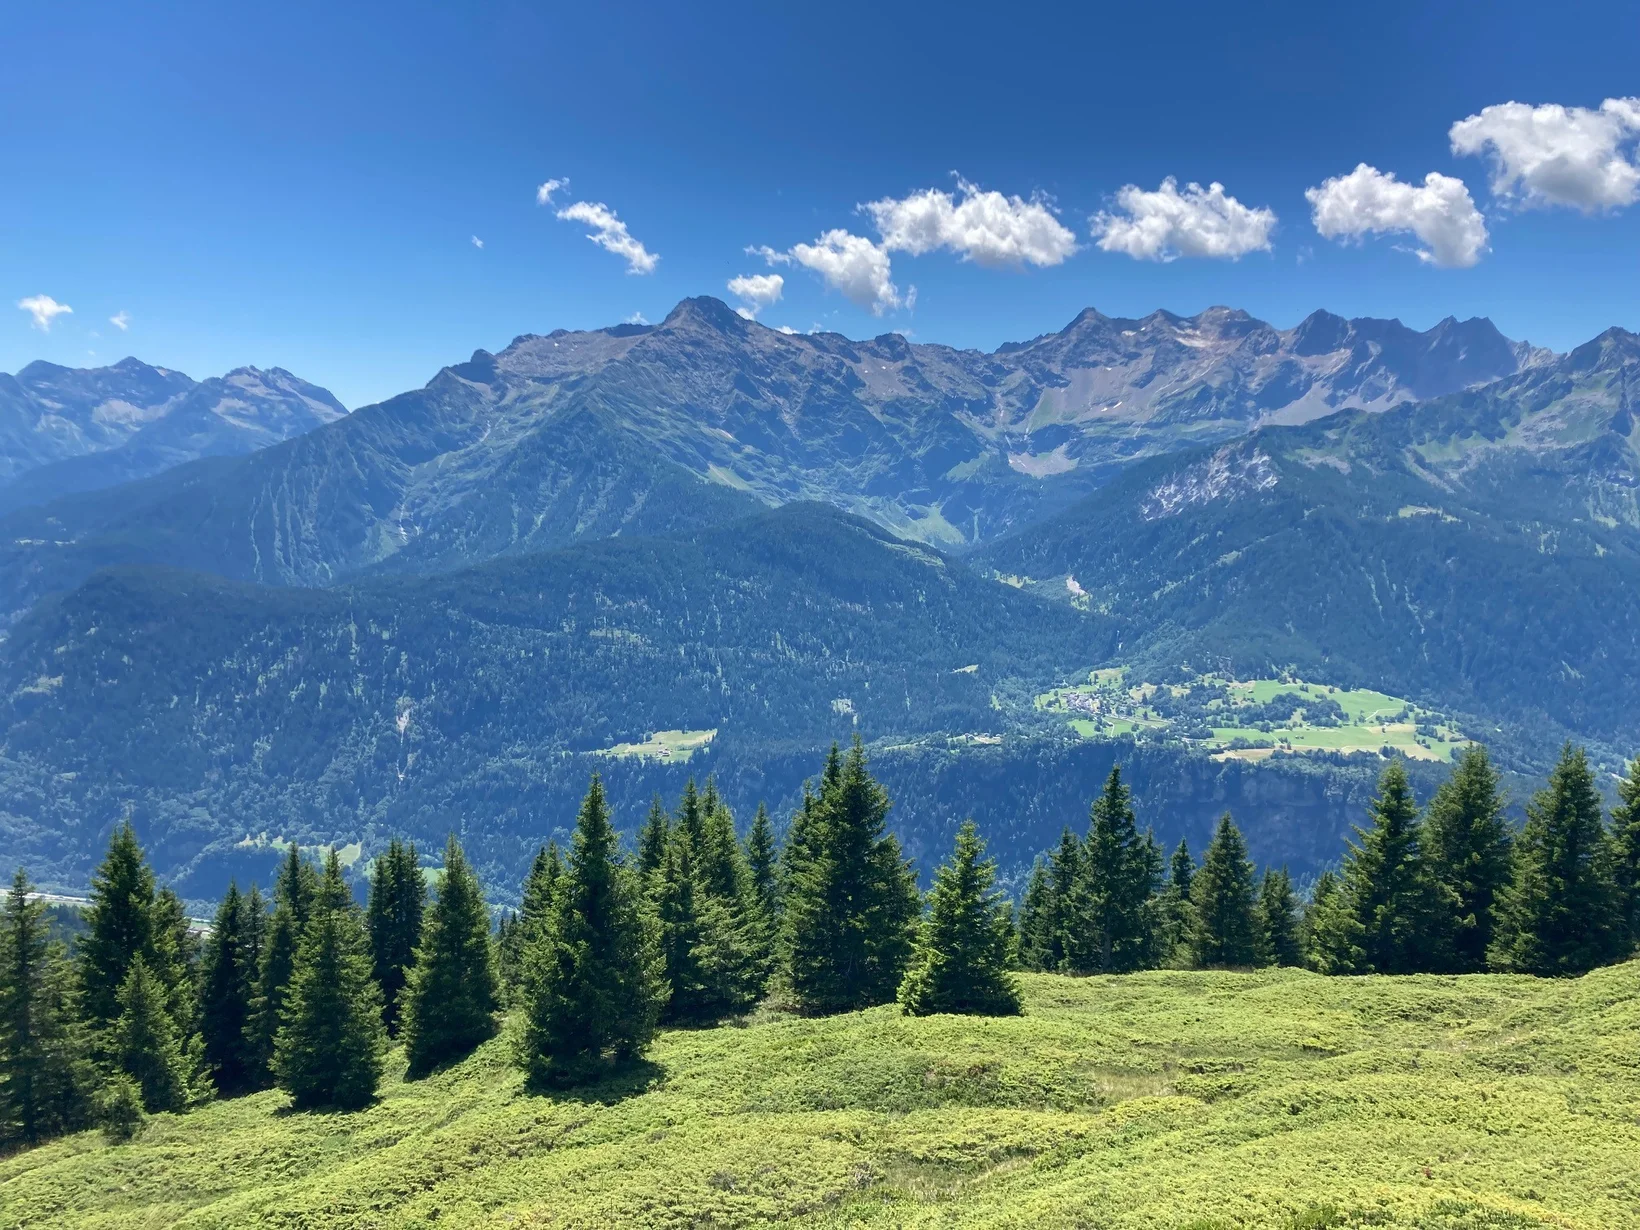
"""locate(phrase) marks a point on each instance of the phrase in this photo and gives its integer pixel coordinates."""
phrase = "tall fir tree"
(1625, 844)
(593, 988)
(1225, 933)
(144, 1042)
(119, 927)
(175, 961)
(1467, 840)
(227, 986)
(677, 913)
(1176, 912)
(653, 839)
(762, 865)
(852, 904)
(398, 897)
(452, 994)
(965, 945)
(45, 1074)
(1558, 914)
(294, 891)
(1112, 927)
(1031, 912)
(534, 912)
(1280, 942)
(1322, 926)
(1052, 940)
(328, 1051)
(1387, 915)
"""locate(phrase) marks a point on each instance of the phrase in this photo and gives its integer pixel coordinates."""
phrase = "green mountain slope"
(1480, 551)
(1147, 1102)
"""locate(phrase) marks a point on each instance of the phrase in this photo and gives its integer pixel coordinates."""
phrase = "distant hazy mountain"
(65, 430)
(690, 422)
(1481, 548)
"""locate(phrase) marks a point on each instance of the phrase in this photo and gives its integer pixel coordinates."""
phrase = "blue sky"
(300, 184)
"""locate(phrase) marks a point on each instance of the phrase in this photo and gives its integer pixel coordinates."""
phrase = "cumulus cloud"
(757, 291)
(984, 227)
(1439, 212)
(543, 194)
(1167, 223)
(610, 234)
(637, 318)
(44, 309)
(120, 320)
(853, 265)
(1554, 155)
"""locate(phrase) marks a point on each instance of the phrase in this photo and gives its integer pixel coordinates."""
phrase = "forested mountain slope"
(1482, 549)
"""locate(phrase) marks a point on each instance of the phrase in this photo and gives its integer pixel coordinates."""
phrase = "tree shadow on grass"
(607, 1085)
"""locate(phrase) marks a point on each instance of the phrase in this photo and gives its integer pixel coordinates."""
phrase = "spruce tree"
(593, 988)
(653, 839)
(852, 904)
(45, 1076)
(1466, 841)
(227, 986)
(535, 910)
(1031, 913)
(762, 859)
(1111, 930)
(1225, 931)
(1625, 845)
(1051, 938)
(294, 891)
(1279, 939)
(144, 1042)
(964, 947)
(677, 913)
(1389, 907)
(398, 896)
(1558, 914)
(328, 1051)
(119, 927)
(1176, 910)
(175, 960)
(452, 994)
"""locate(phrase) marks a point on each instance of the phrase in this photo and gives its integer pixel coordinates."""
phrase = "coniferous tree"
(1558, 914)
(1466, 841)
(1112, 926)
(653, 839)
(1388, 907)
(175, 960)
(398, 897)
(328, 1051)
(1051, 939)
(452, 993)
(964, 947)
(593, 988)
(535, 910)
(1278, 922)
(143, 1042)
(45, 1076)
(762, 859)
(1031, 913)
(294, 892)
(227, 986)
(119, 927)
(1176, 912)
(1320, 925)
(1625, 844)
(1225, 931)
(851, 906)
(677, 913)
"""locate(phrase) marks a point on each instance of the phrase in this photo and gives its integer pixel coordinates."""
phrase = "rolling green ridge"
(1158, 1100)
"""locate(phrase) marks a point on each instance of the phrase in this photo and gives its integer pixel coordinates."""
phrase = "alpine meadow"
(823, 727)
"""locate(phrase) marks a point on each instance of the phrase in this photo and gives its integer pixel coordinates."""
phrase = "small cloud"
(758, 290)
(1575, 157)
(637, 318)
(983, 226)
(543, 194)
(1439, 212)
(477, 242)
(44, 309)
(120, 320)
(1166, 224)
(787, 329)
(848, 263)
(610, 234)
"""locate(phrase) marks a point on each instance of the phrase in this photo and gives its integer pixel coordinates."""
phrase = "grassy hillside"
(1199, 1100)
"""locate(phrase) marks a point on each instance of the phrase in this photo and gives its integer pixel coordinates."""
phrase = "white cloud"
(120, 320)
(851, 264)
(44, 309)
(477, 242)
(1554, 155)
(758, 290)
(788, 330)
(543, 194)
(1167, 223)
(610, 234)
(637, 318)
(985, 227)
(1369, 201)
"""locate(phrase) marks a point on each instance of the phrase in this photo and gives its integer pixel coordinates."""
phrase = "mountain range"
(443, 610)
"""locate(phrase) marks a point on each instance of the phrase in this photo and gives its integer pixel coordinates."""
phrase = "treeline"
(697, 925)
(1447, 889)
